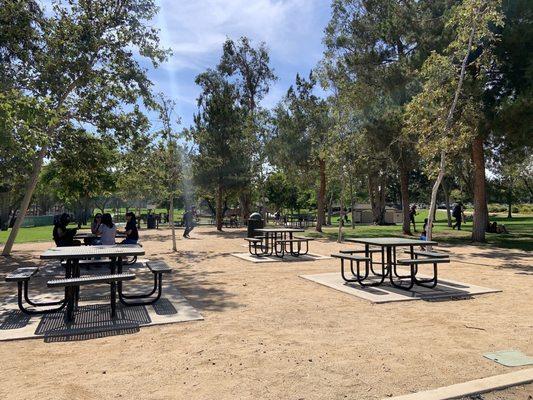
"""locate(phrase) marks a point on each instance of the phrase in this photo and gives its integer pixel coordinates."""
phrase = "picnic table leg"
(383, 266)
(391, 275)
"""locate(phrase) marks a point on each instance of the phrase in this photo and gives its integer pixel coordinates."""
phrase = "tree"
(219, 137)
(433, 112)
(252, 75)
(377, 48)
(168, 161)
(299, 137)
(83, 71)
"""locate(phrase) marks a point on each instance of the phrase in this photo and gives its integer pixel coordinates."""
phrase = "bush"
(497, 208)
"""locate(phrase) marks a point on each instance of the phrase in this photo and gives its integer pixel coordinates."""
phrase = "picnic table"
(73, 254)
(389, 262)
(274, 235)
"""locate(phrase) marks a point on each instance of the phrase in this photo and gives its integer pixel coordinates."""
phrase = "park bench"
(284, 243)
(429, 254)
(415, 262)
(255, 244)
(72, 286)
(22, 277)
(157, 268)
(343, 256)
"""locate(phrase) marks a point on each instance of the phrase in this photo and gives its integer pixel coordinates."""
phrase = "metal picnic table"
(73, 254)
(273, 234)
(388, 247)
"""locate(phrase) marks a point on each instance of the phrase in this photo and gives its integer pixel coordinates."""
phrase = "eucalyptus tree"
(448, 113)
(83, 69)
(300, 137)
(219, 139)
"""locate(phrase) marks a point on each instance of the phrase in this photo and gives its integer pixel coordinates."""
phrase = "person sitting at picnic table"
(132, 234)
(62, 235)
(108, 230)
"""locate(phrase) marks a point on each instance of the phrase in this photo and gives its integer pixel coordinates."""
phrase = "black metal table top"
(73, 252)
(279, 230)
(391, 241)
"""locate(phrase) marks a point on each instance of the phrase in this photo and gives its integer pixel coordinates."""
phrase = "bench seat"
(432, 254)
(22, 274)
(417, 261)
(370, 251)
(253, 240)
(90, 279)
(350, 257)
(295, 240)
(158, 267)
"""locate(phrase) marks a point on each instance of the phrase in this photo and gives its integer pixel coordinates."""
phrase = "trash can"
(255, 221)
(150, 221)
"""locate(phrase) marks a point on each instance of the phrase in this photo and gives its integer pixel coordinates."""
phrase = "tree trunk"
(447, 127)
(352, 202)
(404, 191)
(30, 187)
(447, 202)
(341, 213)
(219, 206)
(376, 191)
(480, 195)
(171, 221)
(510, 201)
(330, 210)
(321, 216)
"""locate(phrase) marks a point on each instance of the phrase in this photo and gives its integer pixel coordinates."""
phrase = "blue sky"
(196, 29)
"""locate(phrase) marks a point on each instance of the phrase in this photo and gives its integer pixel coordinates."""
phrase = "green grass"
(520, 228)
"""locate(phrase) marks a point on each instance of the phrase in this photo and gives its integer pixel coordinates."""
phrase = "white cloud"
(195, 30)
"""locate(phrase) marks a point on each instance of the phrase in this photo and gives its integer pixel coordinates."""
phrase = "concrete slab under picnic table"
(385, 293)
(92, 319)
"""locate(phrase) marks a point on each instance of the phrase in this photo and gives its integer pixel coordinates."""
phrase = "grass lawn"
(520, 228)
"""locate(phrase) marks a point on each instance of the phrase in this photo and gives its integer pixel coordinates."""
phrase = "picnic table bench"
(277, 241)
(72, 286)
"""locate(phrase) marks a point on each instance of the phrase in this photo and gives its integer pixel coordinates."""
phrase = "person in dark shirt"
(64, 236)
(457, 213)
(132, 234)
(412, 214)
(188, 221)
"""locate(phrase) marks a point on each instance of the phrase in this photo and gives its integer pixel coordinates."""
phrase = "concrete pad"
(474, 387)
(93, 316)
(446, 289)
(509, 358)
(286, 258)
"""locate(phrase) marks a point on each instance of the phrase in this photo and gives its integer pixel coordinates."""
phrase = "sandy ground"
(269, 334)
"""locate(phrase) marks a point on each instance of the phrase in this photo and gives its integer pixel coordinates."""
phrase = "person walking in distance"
(412, 214)
(457, 213)
(188, 221)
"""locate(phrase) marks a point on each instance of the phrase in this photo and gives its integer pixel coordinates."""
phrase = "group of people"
(102, 227)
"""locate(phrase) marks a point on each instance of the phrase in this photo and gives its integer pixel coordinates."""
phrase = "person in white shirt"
(107, 230)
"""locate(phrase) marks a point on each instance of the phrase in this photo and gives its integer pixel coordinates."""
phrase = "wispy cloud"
(196, 30)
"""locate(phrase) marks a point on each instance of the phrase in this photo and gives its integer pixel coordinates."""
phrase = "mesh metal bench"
(157, 268)
(255, 244)
(351, 258)
(415, 262)
(22, 277)
(287, 246)
(72, 285)
(430, 254)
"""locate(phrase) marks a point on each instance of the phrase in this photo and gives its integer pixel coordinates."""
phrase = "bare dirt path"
(269, 334)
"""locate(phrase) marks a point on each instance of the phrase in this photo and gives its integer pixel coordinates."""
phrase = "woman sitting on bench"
(132, 234)
(64, 236)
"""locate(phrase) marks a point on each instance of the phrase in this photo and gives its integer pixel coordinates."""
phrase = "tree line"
(411, 102)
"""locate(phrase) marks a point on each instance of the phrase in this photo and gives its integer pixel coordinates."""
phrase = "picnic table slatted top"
(90, 235)
(121, 250)
(391, 241)
(279, 230)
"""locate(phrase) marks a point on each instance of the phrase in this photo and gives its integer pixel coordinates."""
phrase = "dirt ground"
(269, 334)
